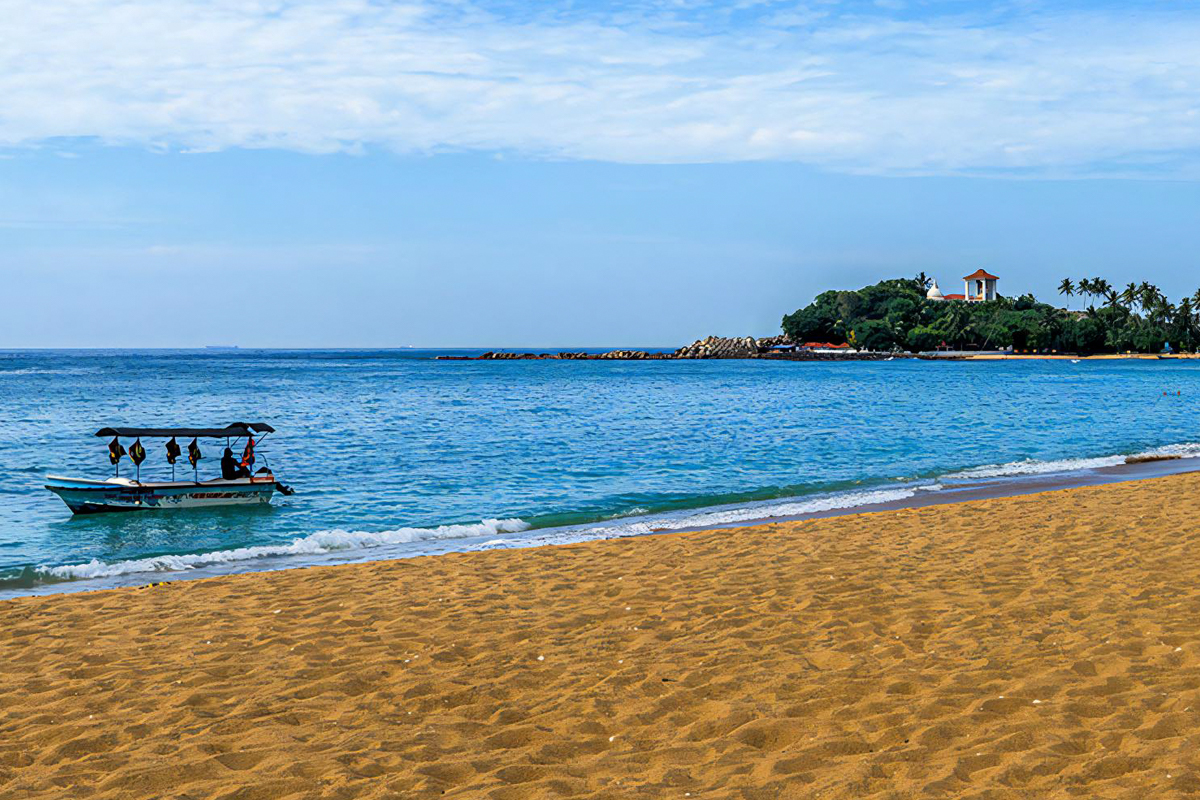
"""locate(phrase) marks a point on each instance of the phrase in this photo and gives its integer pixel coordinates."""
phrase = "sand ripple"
(1032, 647)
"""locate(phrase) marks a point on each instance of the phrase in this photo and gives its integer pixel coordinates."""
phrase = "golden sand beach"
(1043, 646)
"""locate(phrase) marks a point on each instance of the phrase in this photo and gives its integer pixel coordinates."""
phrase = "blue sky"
(506, 174)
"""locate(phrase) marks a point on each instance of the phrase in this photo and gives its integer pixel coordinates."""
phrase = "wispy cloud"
(879, 88)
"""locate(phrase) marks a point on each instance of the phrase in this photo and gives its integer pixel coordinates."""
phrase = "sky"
(502, 174)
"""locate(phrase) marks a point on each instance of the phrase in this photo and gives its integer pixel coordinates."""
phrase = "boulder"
(720, 347)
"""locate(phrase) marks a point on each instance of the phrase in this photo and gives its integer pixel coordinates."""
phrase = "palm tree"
(1085, 287)
(1169, 311)
(1067, 288)
(957, 322)
(1096, 287)
(1161, 309)
(1183, 318)
(1130, 295)
(1147, 294)
(1111, 297)
(1186, 321)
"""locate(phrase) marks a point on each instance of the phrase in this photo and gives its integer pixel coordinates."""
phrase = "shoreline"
(644, 355)
(619, 354)
(1021, 646)
(947, 492)
(1014, 486)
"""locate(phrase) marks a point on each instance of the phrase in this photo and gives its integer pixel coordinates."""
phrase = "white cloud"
(876, 92)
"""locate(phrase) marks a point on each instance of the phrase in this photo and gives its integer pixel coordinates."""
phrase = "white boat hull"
(84, 496)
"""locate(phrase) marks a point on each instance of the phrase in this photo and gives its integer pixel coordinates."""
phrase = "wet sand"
(1044, 645)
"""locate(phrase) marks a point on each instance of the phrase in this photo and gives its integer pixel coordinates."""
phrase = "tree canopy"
(895, 315)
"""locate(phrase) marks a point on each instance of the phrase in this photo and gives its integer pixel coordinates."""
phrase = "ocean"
(394, 454)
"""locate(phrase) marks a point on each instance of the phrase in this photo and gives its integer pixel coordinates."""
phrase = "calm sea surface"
(395, 454)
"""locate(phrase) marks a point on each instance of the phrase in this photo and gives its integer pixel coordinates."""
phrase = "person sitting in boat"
(230, 468)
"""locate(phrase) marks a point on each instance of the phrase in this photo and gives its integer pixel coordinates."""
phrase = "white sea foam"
(719, 516)
(313, 544)
(789, 508)
(1183, 449)
(1031, 466)
(338, 540)
(41, 371)
(332, 541)
(1034, 467)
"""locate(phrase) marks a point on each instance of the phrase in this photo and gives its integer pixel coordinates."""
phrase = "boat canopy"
(234, 429)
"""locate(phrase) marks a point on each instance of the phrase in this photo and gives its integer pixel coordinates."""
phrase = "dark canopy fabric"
(235, 429)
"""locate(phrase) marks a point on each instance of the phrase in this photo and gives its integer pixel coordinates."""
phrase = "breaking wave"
(43, 371)
(497, 533)
(751, 512)
(1034, 467)
(715, 517)
(339, 540)
(313, 544)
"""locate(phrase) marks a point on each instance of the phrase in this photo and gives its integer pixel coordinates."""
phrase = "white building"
(977, 287)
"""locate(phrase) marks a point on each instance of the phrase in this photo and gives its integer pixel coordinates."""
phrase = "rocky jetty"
(719, 347)
(733, 347)
(490, 356)
(628, 355)
(635, 355)
(711, 347)
(774, 341)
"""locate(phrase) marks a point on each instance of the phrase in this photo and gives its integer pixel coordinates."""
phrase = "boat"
(87, 495)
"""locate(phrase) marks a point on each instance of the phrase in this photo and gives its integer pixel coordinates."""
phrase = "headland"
(912, 318)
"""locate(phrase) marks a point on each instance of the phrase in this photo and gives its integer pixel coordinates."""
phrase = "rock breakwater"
(711, 347)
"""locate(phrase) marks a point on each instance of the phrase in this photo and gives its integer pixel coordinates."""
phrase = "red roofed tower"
(980, 286)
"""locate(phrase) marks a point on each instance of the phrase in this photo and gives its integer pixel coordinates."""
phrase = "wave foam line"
(313, 544)
(1031, 466)
(716, 517)
(41, 371)
(794, 508)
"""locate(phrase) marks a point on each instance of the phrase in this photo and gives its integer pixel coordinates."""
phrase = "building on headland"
(977, 287)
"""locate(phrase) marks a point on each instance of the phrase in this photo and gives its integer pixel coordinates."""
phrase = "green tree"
(1084, 287)
(1067, 288)
(1184, 329)
(1129, 295)
(896, 314)
(1147, 294)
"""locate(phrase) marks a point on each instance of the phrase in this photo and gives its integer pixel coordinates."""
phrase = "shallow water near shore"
(395, 454)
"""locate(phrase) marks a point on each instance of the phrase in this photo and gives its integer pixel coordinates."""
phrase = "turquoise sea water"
(394, 454)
